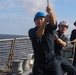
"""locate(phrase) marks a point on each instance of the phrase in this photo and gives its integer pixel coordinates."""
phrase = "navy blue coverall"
(45, 62)
(73, 37)
(65, 64)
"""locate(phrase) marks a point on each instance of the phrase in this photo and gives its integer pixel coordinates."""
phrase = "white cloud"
(32, 6)
(19, 13)
(29, 6)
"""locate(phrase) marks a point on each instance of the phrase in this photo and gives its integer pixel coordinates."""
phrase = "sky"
(16, 16)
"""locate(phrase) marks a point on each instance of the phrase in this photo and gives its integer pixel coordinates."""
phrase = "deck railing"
(14, 49)
(17, 48)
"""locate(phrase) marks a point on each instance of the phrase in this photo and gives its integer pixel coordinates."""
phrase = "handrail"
(13, 46)
(14, 38)
(6, 39)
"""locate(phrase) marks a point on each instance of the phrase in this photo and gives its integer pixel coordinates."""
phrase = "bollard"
(25, 64)
(31, 59)
(30, 56)
(17, 66)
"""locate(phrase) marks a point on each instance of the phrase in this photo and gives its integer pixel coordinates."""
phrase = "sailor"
(61, 41)
(42, 38)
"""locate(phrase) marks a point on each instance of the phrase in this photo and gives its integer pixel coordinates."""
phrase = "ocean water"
(6, 36)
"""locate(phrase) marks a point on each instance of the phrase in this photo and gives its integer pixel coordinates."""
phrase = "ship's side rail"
(14, 49)
(20, 48)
